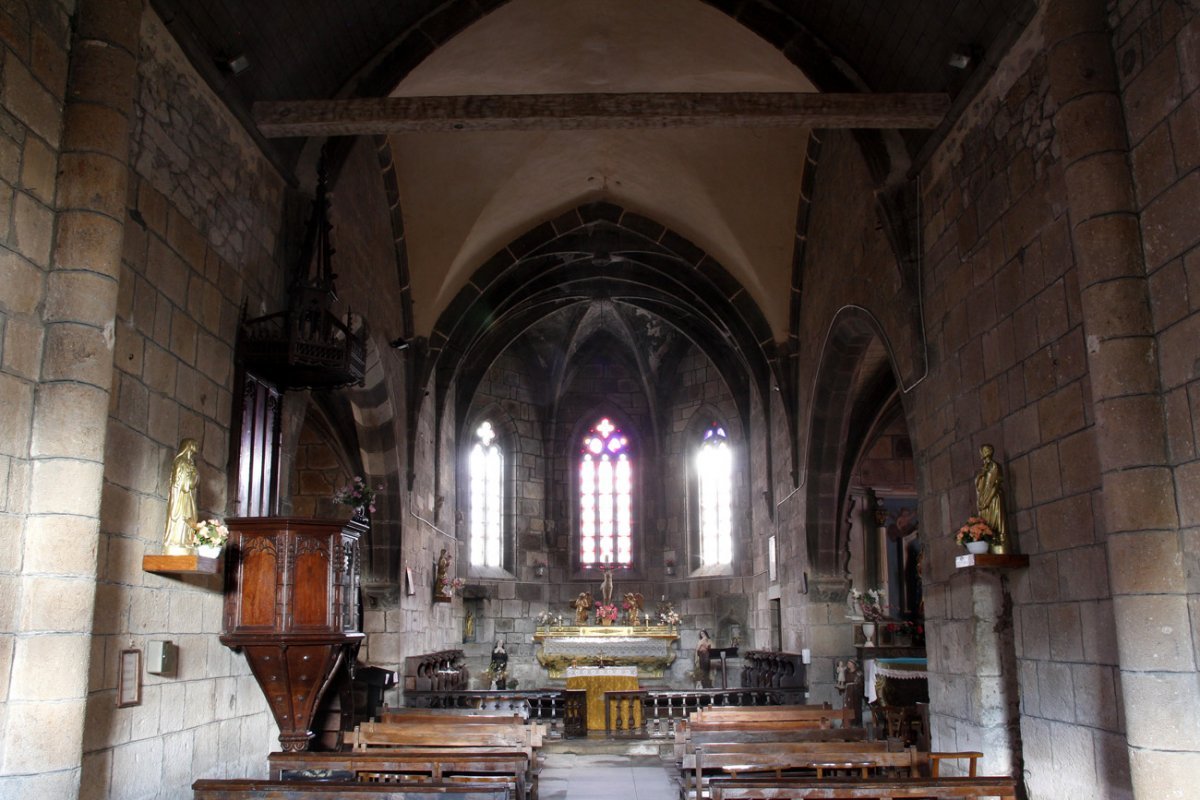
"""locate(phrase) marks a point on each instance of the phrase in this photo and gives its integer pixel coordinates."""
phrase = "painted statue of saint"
(179, 534)
(989, 491)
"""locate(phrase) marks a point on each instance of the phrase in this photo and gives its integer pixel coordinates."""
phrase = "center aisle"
(571, 776)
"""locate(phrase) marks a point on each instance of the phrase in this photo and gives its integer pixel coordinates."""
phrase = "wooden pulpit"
(291, 605)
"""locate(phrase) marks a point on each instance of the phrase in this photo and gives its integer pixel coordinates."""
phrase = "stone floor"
(605, 776)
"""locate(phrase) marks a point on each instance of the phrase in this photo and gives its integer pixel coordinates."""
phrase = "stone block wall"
(1004, 316)
(44, 568)
(195, 247)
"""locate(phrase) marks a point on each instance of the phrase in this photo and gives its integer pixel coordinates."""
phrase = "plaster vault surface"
(731, 191)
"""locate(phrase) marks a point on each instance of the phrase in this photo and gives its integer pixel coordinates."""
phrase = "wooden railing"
(658, 709)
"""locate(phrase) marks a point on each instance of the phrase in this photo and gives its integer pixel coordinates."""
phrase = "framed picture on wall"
(129, 679)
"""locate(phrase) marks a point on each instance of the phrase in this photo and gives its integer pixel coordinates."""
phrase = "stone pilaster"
(1159, 683)
(43, 732)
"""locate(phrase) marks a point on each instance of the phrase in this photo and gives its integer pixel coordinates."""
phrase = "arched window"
(486, 475)
(714, 493)
(605, 497)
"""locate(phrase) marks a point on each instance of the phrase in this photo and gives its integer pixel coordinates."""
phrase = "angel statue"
(582, 606)
(633, 608)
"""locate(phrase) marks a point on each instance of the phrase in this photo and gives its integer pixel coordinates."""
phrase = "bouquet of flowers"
(870, 603)
(606, 611)
(668, 617)
(547, 618)
(456, 585)
(358, 495)
(976, 530)
(211, 533)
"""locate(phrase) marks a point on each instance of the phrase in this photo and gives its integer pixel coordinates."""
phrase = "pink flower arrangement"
(976, 530)
(358, 495)
(606, 611)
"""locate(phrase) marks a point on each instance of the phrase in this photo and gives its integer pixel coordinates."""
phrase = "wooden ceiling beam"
(565, 112)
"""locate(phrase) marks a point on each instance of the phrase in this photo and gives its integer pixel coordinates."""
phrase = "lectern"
(291, 605)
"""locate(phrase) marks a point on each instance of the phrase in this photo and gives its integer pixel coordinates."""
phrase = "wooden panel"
(310, 587)
(260, 587)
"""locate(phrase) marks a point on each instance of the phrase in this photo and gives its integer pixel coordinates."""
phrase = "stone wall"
(193, 253)
(38, 560)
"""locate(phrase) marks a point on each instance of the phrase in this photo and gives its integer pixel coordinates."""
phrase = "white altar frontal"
(648, 648)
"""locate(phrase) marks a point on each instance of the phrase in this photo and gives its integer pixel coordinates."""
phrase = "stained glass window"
(714, 483)
(486, 468)
(605, 497)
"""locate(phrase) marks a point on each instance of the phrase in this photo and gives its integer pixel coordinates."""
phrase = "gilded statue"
(583, 607)
(180, 531)
(633, 608)
(441, 585)
(989, 492)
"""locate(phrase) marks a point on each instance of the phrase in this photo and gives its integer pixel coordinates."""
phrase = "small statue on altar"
(606, 586)
(989, 493)
(180, 532)
(633, 608)
(704, 660)
(582, 606)
(850, 686)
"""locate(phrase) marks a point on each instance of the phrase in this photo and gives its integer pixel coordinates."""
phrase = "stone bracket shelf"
(181, 565)
(991, 561)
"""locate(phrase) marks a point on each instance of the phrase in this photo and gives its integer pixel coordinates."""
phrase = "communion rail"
(652, 713)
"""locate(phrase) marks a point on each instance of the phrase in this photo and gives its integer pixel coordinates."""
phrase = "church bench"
(691, 777)
(791, 757)
(783, 719)
(686, 749)
(454, 719)
(370, 735)
(866, 789)
(280, 790)
(425, 765)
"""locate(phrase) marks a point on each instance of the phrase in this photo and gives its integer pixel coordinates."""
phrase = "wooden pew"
(692, 771)
(454, 718)
(779, 719)
(279, 790)
(868, 789)
(371, 735)
(816, 757)
(425, 765)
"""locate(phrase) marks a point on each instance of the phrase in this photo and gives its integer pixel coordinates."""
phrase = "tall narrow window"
(714, 479)
(486, 469)
(605, 497)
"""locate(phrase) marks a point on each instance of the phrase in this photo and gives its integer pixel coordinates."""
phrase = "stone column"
(1159, 682)
(43, 731)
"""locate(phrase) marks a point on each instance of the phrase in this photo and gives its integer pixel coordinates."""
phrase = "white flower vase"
(208, 550)
(868, 630)
(977, 548)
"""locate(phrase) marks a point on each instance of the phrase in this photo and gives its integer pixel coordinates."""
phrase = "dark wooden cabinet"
(291, 606)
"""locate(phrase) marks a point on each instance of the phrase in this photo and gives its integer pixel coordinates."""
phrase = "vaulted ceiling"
(733, 192)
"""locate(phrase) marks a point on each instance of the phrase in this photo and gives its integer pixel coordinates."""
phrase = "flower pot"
(868, 629)
(606, 622)
(977, 548)
(209, 550)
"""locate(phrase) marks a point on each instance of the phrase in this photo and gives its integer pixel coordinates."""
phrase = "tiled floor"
(569, 776)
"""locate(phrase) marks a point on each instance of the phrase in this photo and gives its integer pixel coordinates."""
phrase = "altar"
(598, 680)
(649, 648)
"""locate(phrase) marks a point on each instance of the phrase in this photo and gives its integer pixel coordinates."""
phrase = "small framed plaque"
(129, 679)
(772, 564)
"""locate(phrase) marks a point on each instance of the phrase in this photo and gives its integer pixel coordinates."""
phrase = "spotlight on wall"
(236, 64)
(399, 343)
